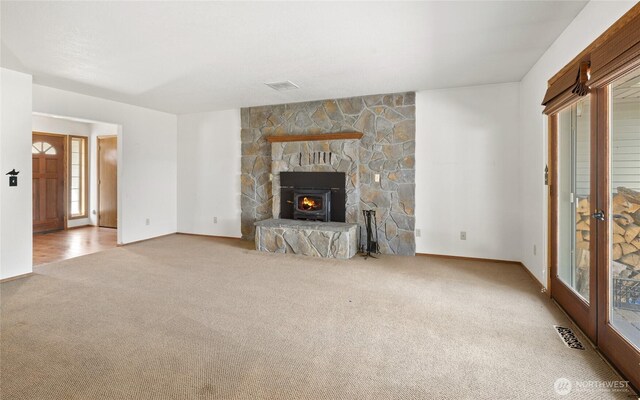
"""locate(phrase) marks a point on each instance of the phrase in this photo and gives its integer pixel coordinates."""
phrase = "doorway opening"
(75, 207)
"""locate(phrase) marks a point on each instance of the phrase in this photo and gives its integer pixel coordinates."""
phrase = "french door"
(595, 218)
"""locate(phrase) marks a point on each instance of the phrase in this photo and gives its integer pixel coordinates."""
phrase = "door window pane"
(43, 148)
(574, 203)
(624, 313)
(78, 171)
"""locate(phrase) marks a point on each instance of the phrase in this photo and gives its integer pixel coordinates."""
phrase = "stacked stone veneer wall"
(331, 156)
(387, 148)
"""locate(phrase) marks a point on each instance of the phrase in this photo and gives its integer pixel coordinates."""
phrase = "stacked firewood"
(626, 233)
(583, 235)
(583, 222)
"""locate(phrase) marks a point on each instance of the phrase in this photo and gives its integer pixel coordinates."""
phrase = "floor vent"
(569, 338)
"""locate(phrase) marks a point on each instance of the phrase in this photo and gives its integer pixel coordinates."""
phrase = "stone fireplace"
(379, 167)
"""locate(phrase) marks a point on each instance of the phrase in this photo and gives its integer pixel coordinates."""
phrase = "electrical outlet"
(147, 222)
(535, 250)
(215, 220)
(418, 233)
(376, 177)
(463, 235)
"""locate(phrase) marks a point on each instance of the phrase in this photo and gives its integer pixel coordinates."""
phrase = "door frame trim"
(615, 347)
(610, 343)
(583, 312)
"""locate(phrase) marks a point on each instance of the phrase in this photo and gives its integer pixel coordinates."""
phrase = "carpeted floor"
(185, 317)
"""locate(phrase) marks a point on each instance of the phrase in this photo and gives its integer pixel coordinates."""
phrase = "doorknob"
(599, 215)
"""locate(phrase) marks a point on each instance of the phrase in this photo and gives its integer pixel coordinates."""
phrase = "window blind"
(568, 87)
(619, 54)
(613, 54)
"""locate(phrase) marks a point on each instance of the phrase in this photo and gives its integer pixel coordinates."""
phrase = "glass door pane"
(624, 279)
(574, 237)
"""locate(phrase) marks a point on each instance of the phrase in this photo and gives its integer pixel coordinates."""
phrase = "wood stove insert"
(313, 196)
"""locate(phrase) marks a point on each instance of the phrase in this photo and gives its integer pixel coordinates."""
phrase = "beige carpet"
(184, 317)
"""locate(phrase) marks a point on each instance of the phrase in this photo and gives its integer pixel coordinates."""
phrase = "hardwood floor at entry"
(61, 245)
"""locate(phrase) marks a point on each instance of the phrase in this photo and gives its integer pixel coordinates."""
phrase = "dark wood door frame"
(622, 353)
(584, 313)
(593, 319)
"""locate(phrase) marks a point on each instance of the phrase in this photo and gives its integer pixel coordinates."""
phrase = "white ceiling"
(199, 56)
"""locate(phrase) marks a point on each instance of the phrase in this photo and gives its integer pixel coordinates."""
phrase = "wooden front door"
(108, 182)
(48, 155)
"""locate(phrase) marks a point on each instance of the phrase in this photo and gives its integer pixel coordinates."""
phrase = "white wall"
(209, 173)
(15, 152)
(467, 171)
(147, 164)
(592, 21)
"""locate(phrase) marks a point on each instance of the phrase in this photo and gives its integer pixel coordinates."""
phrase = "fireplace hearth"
(313, 196)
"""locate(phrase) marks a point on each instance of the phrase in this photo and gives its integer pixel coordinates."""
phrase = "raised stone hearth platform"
(309, 238)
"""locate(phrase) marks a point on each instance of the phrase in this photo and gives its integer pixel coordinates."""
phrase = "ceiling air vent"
(282, 86)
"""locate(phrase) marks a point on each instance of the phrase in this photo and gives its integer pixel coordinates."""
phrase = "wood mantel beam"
(322, 136)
